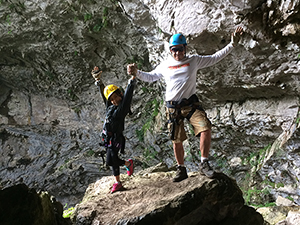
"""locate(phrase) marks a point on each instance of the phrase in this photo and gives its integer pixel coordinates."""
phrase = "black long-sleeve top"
(115, 115)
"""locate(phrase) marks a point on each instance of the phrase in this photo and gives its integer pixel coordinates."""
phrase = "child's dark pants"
(113, 160)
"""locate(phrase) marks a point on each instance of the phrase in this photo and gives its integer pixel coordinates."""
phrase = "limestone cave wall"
(51, 112)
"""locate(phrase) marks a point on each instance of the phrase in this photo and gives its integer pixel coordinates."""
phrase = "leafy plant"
(268, 204)
(254, 193)
(152, 105)
(68, 212)
(87, 17)
(135, 59)
(77, 110)
(149, 153)
(191, 129)
(90, 152)
(7, 19)
(97, 27)
(257, 157)
(104, 17)
(49, 74)
(71, 94)
(278, 185)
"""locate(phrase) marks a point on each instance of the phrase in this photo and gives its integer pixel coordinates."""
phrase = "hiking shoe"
(181, 174)
(116, 187)
(206, 170)
(130, 167)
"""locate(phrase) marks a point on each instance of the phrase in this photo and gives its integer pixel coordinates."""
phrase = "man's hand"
(132, 69)
(236, 36)
(96, 73)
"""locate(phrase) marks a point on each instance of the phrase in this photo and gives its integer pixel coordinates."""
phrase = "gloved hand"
(236, 36)
(96, 73)
(132, 69)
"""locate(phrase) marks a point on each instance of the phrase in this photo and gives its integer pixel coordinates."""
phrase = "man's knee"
(206, 132)
(177, 144)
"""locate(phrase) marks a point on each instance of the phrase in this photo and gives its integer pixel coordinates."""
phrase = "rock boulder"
(22, 205)
(152, 198)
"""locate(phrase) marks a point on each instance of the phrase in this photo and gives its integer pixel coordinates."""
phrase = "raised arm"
(209, 60)
(144, 76)
(96, 73)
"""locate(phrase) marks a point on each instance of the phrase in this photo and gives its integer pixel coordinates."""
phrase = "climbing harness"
(174, 111)
(111, 139)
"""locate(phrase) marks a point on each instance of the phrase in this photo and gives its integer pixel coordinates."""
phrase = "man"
(180, 73)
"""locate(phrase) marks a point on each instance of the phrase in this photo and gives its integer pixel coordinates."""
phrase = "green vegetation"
(101, 22)
(268, 204)
(149, 153)
(279, 185)
(90, 152)
(253, 196)
(152, 106)
(97, 27)
(50, 75)
(191, 129)
(96, 23)
(137, 60)
(259, 195)
(7, 19)
(114, 1)
(290, 198)
(64, 165)
(17, 6)
(71, 94)
(159, 30)
(68, 212)
(256, 158)
(298, 115)
(222, 162)
(104, 17)
(192, 152)
(87, 17)
(77, 110)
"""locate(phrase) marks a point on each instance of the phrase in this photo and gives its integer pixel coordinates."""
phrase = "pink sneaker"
(130, 167)
(116, 187)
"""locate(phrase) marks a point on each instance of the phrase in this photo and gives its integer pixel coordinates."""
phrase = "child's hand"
(132, 69)
(96, 73)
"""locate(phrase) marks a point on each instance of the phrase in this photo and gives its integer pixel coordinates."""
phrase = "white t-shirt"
(180, 76)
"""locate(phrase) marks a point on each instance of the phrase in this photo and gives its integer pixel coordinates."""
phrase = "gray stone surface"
(51, 113)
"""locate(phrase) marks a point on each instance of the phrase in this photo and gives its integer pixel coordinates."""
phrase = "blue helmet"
(177, 39)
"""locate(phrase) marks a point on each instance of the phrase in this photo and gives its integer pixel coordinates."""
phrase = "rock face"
(51, 113)
(152, 198)
(22, 205)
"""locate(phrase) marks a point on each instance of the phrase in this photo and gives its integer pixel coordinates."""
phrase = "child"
(118, 106)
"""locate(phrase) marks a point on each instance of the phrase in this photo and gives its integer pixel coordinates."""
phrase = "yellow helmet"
(109, 90)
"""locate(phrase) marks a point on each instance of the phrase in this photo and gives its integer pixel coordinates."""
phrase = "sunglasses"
(177, 49)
